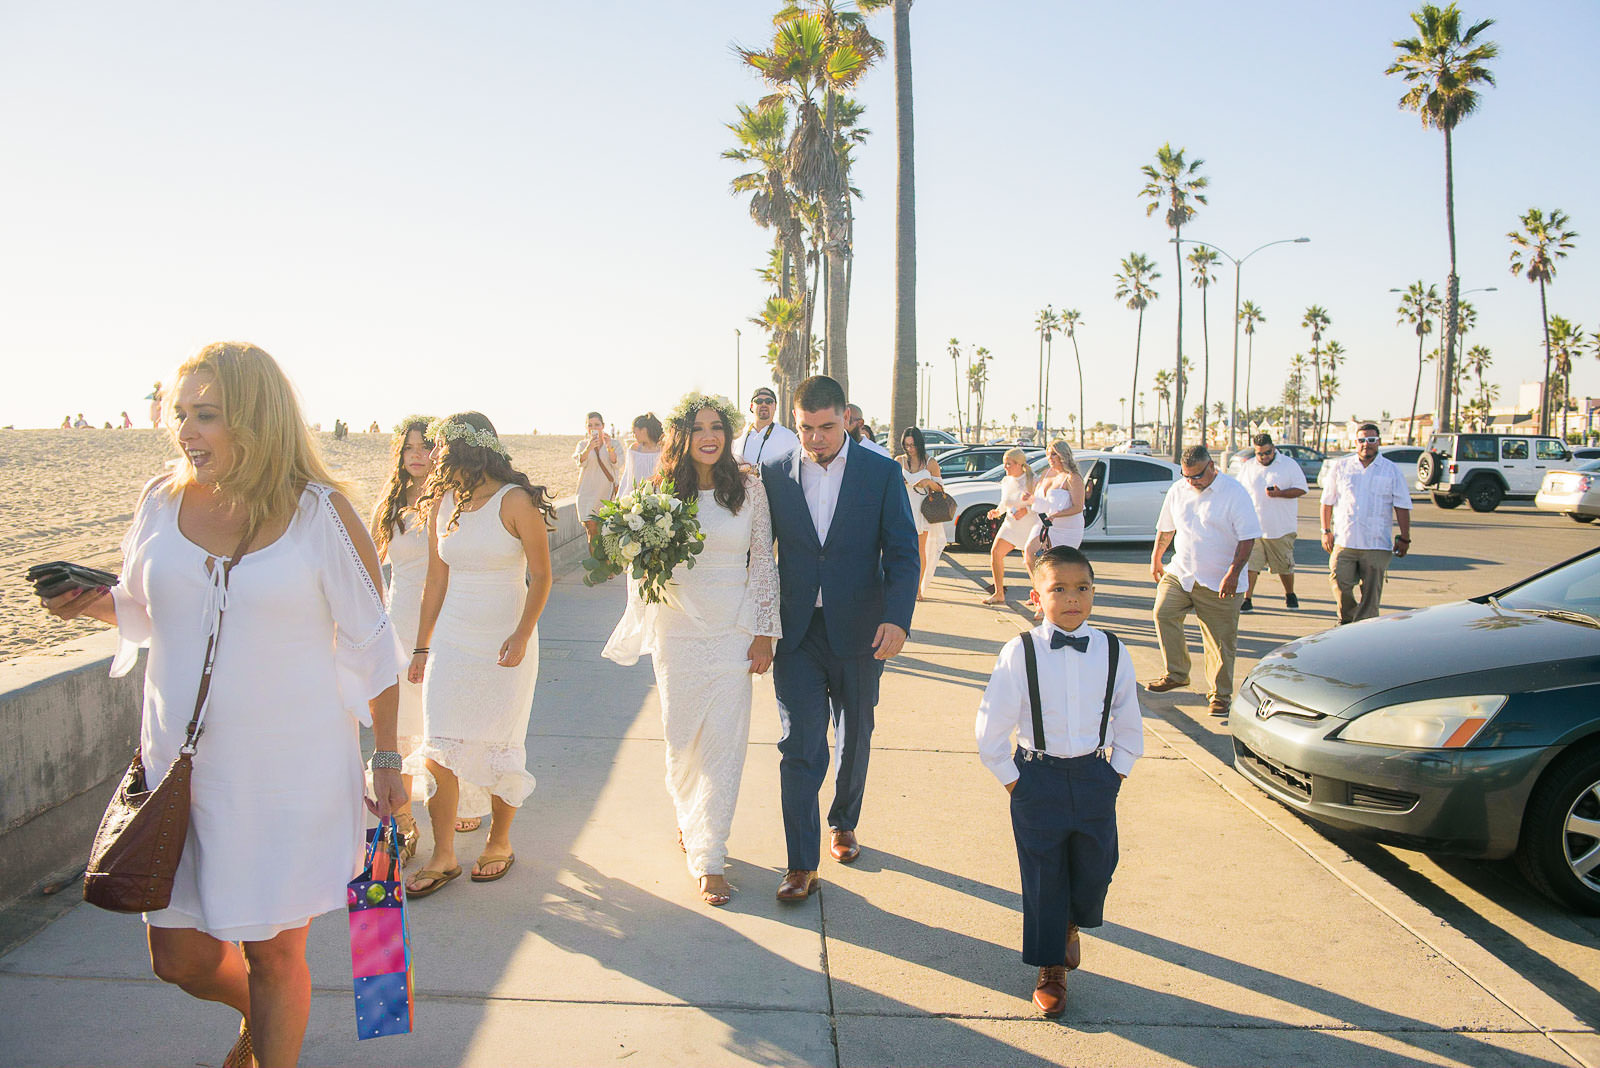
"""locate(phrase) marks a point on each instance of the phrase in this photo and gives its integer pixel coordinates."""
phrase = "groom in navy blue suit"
(847, 570)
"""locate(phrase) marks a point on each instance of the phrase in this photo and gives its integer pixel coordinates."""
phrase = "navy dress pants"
(815, 688)
(1064, 816)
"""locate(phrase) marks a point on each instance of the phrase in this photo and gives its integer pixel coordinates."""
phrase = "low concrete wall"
(68, 730)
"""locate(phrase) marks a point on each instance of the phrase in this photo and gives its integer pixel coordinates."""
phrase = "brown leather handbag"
(141, 835)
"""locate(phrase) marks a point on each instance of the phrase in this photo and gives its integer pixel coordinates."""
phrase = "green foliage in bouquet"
(645, 535)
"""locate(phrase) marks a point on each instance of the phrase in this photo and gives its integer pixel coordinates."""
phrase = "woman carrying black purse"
(922, 483)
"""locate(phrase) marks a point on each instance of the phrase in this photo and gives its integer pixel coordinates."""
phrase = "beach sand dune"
(73, 493)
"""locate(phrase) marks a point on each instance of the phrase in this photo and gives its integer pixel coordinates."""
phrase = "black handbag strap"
(1030, 659)
(196, 728)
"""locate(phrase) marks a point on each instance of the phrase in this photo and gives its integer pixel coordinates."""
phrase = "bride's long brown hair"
(463, 467)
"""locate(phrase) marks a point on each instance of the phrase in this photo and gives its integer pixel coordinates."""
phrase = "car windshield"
(1570, 592)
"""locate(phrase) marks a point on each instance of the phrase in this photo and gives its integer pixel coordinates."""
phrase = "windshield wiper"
(1566, 615)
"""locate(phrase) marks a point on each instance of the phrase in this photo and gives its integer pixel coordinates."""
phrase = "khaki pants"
(1346, 567)
(1219, 632)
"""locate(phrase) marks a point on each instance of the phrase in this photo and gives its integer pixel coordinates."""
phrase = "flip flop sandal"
(468, 824)
(409, 837)
(507, 859)
(438, 881)
(712, 897)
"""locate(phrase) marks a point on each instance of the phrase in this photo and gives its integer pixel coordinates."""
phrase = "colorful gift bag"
(380, 951)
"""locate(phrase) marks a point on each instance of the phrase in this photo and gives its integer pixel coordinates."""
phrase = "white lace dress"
(475, 712)
(700, 643)
(276, 820)
(407, 554)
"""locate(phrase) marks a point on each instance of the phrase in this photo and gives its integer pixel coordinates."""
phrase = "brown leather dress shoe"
(1074, 949)
(798, 885)
(1164, 683)
(845, 848)
(1051, 992)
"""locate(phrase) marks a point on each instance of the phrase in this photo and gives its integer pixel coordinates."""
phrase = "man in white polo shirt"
(1362, 493)
(766, 440)
(1275, 484)
(860, 431)
(1211, 523)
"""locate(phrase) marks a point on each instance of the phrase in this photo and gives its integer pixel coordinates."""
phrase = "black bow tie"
(1058, 639)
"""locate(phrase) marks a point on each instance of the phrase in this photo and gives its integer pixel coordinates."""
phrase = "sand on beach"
(73, 493)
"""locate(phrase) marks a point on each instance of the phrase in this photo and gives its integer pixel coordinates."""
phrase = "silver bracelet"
(386, 759)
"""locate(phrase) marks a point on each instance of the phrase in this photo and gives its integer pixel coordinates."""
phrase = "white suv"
(1485, 469)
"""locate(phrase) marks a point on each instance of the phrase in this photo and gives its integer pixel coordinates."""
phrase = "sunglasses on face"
(1198, 476)
(1366, 441)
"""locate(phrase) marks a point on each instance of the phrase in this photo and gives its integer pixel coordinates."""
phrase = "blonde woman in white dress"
(640, 460)
(305, 656)
(599, 469)
(715, 630)
(921, 473)
(1018, 521)
(477, 653)
(1058, 500)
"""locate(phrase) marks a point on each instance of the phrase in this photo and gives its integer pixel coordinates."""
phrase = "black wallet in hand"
(58, 576)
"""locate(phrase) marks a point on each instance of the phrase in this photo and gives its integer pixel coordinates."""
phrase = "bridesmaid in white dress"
(642, 456)
(477, 653)
(922, 477)
(1058, 500)
(714, 631)
(305, 656)
(1018, 521)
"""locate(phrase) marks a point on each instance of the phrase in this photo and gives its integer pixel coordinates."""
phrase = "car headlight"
(1442, 723)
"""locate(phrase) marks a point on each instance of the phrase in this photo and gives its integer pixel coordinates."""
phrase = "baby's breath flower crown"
(452, 430)
(404, 426)
(683, 415)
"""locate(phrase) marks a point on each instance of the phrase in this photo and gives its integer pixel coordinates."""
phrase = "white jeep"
(1485, 469)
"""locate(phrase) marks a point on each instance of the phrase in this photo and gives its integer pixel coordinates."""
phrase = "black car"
(1470, 728)
(974, 460)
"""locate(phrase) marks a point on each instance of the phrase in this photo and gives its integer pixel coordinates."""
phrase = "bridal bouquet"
(646, 534)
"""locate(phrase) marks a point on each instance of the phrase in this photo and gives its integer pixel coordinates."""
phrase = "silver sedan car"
(1574, 492)
(1124, 491)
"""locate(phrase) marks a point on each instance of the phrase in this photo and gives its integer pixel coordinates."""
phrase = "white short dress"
(1014, 530)
(276, 820)
(637, 466)
(475, 712)
(1067, 530)
(407, 554)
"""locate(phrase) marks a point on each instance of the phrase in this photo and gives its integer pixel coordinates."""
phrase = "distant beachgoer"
(154, 397)
(340, 429)
(108, 426)
(127, 423)
(80, 423)
(66, 423)
(640, 461)
(598, 461)
(374, 428)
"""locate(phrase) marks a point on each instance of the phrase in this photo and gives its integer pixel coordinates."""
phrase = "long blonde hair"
(274, 452)
(1063, 448)
(1015, 455)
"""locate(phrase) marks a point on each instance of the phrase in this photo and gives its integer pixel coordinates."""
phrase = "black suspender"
(1031, 659)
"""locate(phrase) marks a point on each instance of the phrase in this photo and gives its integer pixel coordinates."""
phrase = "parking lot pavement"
(1236, 934)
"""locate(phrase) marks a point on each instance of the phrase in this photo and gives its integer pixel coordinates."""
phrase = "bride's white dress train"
(699, 640)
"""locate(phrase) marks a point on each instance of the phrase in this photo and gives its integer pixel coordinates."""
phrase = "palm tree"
(1445, 69)
(1045, 325)
(1566, 342)
(1316, 319)
(1417, 307)
(1295, 390)
(1163, 384)
(954, 349)
(903, 392)
(978, 376)
(1250, 315)
(1175, 183)
(784, 321)
(1202, 260)
(1069, 322)
(1534, 252)
(1333, 353)
(1219, 410)
(1133, 288)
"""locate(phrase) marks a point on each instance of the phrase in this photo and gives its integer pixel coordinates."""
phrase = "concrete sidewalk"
(1234, 935)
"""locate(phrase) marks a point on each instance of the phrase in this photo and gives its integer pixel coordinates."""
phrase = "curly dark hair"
(917, 439)
(389, 517)
(678, 464)
(463, 467)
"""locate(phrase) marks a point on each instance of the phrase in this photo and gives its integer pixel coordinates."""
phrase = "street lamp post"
(1238, 268)
(738, 390)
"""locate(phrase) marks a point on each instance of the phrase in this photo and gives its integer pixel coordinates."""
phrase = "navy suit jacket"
(868, 567)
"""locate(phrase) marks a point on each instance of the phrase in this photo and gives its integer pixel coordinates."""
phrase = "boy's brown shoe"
(1164, 683)
(1051, 992)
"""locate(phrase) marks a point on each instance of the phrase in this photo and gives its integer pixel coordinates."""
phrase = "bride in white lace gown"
(715, 629)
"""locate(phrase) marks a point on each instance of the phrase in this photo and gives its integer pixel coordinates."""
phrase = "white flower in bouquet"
(645, 536)
(635, 521)
(632, 549)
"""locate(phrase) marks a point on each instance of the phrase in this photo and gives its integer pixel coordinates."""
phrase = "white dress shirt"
(1364, 498)
(1208, 526)
(773, 443)
(1072, 693)
(872, 444)
(1278, 515)
(821, 487)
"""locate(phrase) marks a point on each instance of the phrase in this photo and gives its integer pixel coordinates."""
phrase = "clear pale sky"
(520, 207)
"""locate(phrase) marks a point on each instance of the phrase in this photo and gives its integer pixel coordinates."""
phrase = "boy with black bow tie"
(1068, 692)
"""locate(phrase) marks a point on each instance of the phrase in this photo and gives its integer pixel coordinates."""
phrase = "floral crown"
(683, 415)
(404, 426)
(455, 430)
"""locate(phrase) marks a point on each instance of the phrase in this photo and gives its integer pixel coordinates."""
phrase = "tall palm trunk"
(1138, 339)
(903, 392)
(1049, 362)
(1411, 427)
(1177, 387)
(960, 423)
(834, 245)
(1544, 393)
(1079, 362)
(1452, 297)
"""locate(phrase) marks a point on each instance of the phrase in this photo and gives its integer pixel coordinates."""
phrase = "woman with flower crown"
(714, 630)
(477, 653)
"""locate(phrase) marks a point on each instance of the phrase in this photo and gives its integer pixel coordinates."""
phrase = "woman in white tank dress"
(921, 473)
(1018, 521)
(1058, 498)
(639, 462)
(715, 629)
(305, 656)
(477, 653)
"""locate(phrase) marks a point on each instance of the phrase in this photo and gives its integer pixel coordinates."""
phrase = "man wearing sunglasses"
(1210, 522)
(766, 440)
(1362, 493)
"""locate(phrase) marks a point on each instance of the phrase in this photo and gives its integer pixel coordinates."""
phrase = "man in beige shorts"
(1275, 483)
